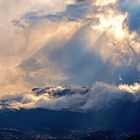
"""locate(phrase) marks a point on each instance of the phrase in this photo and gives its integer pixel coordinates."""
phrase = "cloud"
(100, 96)
(20, 66)
(130, 88)
(67, 42)
(132, 7)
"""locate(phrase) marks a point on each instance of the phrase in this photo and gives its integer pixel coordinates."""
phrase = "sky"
(69, 42)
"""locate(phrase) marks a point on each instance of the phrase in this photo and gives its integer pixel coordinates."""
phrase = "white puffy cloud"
(99, 96)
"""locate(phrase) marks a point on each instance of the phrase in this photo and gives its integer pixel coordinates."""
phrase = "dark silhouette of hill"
(123, 117)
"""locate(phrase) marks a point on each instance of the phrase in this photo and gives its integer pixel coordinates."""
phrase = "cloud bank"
(99, 96)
